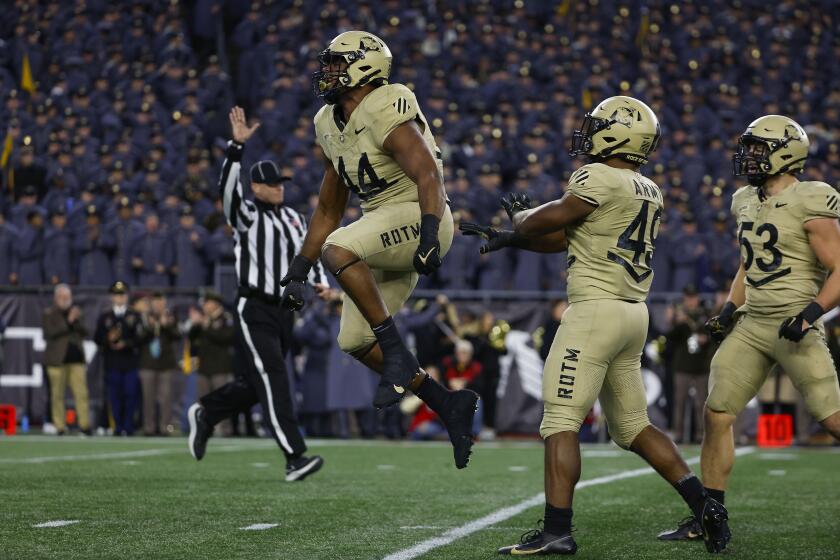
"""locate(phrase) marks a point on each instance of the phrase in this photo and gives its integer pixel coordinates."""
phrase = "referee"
(267, 236)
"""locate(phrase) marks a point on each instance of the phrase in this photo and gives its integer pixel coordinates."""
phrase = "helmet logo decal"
(623, 115)
(369, 44)
(792, 132)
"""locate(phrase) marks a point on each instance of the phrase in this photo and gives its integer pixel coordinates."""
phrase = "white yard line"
(504, 514)
(57, 523)
(120, 455)
(259, 527)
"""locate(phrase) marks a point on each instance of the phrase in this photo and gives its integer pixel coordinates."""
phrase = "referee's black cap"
(267, 173)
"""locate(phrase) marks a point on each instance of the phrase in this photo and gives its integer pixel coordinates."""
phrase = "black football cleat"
(300, 468)
(457, 417)
(539, 543)
(398, 369)
(688, 530)
(200, 431)
(714, 519)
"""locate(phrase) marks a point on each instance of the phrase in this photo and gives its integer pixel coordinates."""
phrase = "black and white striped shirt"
(266, 237)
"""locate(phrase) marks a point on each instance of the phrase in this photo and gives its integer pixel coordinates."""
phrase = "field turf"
(147, 498)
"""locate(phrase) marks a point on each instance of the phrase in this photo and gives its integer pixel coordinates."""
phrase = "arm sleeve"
(820, 201)
(239, 213)
(586, 185)
(395, 105)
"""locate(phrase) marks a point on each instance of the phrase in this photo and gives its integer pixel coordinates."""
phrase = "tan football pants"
(596, 354)
(747, 355)
(386, 239)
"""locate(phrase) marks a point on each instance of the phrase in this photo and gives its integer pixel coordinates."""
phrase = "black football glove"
(294, 283)
(427, 256)
(720, 325)
(515, 202)
(496, 238)
(792, 327)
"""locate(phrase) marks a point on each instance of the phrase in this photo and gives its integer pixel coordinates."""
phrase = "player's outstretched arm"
(500, 238)
(551, 217)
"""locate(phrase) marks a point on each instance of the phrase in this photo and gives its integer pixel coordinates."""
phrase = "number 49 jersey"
(610, 252)
(356, 148)
(782, 273)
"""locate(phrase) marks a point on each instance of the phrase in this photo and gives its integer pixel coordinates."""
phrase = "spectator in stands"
(26, 204)
(64, 357)
(29, 172)
(189, 240)
(211, 335)
(119, 334)
(9, 236)
(152, 255)
(31, 249)
(687, 255)
(58, 250)
(94, 263)
(119, 238)
(158, 366)
(692, 354)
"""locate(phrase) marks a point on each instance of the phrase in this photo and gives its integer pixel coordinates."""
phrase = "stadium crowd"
(114, 119)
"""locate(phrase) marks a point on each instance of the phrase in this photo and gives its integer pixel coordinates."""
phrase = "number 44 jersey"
(782, 273)
(610, 252)
(356, 150)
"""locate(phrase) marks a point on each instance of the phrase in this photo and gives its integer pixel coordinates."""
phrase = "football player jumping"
(377, 144)
(789, 277)
(610, 214)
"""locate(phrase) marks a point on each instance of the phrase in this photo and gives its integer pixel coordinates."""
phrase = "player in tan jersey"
(377, 144)
(789, 276)
(610, 215)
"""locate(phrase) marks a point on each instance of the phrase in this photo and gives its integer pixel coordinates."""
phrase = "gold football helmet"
(351, 60)
(771, 145)
(619, 126)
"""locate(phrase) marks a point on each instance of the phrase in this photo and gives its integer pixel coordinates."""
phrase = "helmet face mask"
(351, 60)
(752, 160)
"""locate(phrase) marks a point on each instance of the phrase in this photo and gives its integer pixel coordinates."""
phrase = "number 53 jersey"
(610, 252)
(782, 273)
(356, 150)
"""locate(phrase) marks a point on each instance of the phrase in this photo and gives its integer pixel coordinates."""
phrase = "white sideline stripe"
(57, 523)
(259, 527)
(264, 376)
(115, 455)
(506, 513)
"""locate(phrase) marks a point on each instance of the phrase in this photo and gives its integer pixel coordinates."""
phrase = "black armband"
(429, 225)
(812, 313)
(234, 150)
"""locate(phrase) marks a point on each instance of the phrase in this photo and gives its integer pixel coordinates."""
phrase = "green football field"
(147, 498)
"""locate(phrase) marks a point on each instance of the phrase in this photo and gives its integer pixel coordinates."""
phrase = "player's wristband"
(234, 150)
(429, 225)
(299, 268)
(812, 313)
(728, 310)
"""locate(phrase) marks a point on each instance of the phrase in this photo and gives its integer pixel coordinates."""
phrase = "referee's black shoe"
(200, 431)
(300, 468)
(458, 416)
